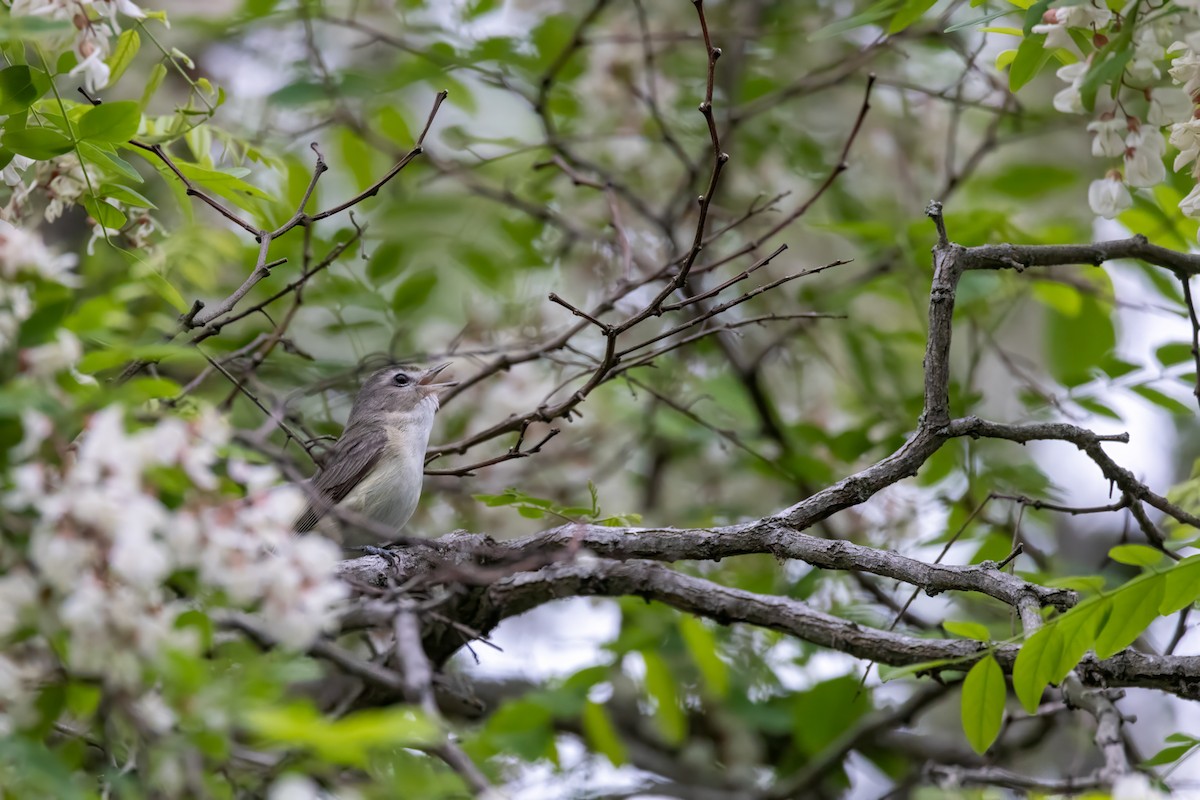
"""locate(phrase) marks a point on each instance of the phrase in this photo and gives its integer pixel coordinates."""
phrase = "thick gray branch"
(1018, 257)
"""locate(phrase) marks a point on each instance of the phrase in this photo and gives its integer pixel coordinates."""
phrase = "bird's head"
(401, 391)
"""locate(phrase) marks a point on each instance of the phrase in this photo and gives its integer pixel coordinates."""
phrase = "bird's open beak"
(430, 375)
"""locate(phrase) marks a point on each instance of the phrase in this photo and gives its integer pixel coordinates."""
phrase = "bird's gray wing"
(352, 459)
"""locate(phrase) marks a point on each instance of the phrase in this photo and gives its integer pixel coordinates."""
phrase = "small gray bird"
(377, 467)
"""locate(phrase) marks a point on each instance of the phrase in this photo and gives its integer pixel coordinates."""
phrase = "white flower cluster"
(1117, 132)
(102, 543)
(24, 254)
(93, 37)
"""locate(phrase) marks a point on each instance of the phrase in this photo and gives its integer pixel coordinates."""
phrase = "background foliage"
(567, 158)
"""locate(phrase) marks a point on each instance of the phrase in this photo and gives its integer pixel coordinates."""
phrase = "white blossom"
(47, 360)
(15, 307)
(1185, 69)
(1135, 786)
(1069, 100)
(18, 593)
(1144, 169)
(1185, 136)
(23, 251)
(1143, 157)
(1109, 141)
(1147, 52)
(65, 183)
(1190, 205)
(1108, 196)
(292, 786)
(1168, 106)
(103, 544)
(153, 712)
(11, 174)
(1056, 21)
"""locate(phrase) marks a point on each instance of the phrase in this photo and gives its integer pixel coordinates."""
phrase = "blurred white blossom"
(23, 251)
(103, 543)
(1109, 196)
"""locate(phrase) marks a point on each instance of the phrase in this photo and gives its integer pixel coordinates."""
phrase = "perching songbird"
(377, 466)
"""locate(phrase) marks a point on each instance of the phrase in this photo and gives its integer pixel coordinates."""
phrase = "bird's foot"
(383, 552)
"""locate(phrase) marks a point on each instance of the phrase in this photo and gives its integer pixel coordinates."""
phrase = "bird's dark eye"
(401, 379)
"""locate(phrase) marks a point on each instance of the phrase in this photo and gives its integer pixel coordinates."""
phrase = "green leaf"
(971, 23)
(1182, 586)
(910, 12)
(1077, 630)
(1034, 14)
(1169, 755)
(166, 291)
(1163, 401)
(395, 127)
(983, 694)
(1102, 73)
(1031, 56)
(1133, 609)
(1077, 345)
(602, 735)
(826, 711)
(40, 144)
(157, 73)
(226, 184)
(1136, 555)
(105, 214)
(875, 13)
(105, 157)
(661, 686)
(1031, 671)
(414, 290)
(126, 195)
(1174, 353)
(349, 740)
(127, 46)
(1095, 407)
(968, 630)
(888, 673)
(1054, 650)
(111, 122)
(20, 87)
(702, 645)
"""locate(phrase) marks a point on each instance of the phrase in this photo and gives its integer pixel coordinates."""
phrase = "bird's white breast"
(390, 493)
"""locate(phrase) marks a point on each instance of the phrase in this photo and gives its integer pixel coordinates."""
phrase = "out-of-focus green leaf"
(1174, 353)
(874, 13)
(602, 735)
(1077, 345)
(349, 740)
(1163, 401)
(661, 686)
(702, 645)
(968, 630)
(414, 290)
(910, 12)
(1031, 56)
(823, 712)
(123, 53)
